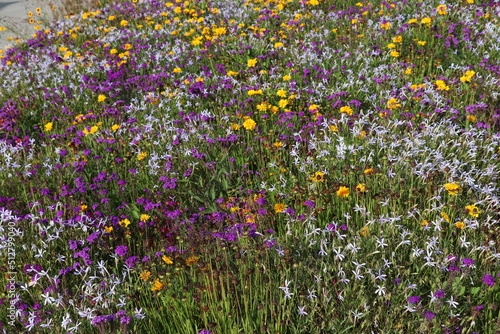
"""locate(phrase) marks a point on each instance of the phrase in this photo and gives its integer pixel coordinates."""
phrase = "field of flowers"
(253, 166)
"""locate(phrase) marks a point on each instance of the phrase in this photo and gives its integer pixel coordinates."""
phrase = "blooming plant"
(252, 166)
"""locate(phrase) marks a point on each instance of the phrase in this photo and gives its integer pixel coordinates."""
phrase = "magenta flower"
(429, 315)
(121, 250)
(414, 299)
(488, 279)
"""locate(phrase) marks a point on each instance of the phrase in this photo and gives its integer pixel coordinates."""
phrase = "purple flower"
(205, 331)
(98, 319)
(125, 319)
(429, 315)
(467, 262)
(414, 299)
(121, 313)
(131, 261)
(488, 279)
(440, 293)
(121, 250)
(309, 203)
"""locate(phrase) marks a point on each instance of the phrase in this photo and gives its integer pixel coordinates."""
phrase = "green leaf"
(475, 290)
(462, 290)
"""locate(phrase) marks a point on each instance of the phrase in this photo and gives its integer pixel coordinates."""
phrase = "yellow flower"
(468, 75)
(318, 177)
(452, 188)
(101, 98)
(177, 70)
(361, 187)
(125, 222)
(235, 127)
(252, 62)
(249, 124)
(394, 54)
(364, 231)
(473, 210)
(368, 171)
(408, 71)
(287, 77)
(48, 126)
(279, 207)
(278, 45)
(115, 127)
(445, 216)
(346, 110)
(397, 39)
(460, 225)
(426, 20)
(393, 103)
(441, 9)
(93, 129)
(141, 155)
(167, 259)
(108, 229)
(124, 23)
(424, 223)
(471, 118)
(145, 275)
(255, 92)
(391, 45)
(283, 103)
(343, 192)
(441, 85)
(385, 25)
(192, 260)
(263, 106)
(334, 128)
(278, 144)
(313, 107)
(157, 285)
(144, 217)
(281, 93)
(422, 42)
(231, 73)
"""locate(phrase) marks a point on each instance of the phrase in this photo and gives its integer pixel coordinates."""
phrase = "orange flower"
(343, 192)
(192, 260)
(157, 285)
(145, 275)
(279, 207)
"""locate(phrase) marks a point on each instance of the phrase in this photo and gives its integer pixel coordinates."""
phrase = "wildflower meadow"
(252, 166)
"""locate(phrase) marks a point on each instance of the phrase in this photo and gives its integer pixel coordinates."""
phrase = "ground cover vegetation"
(254, 166)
